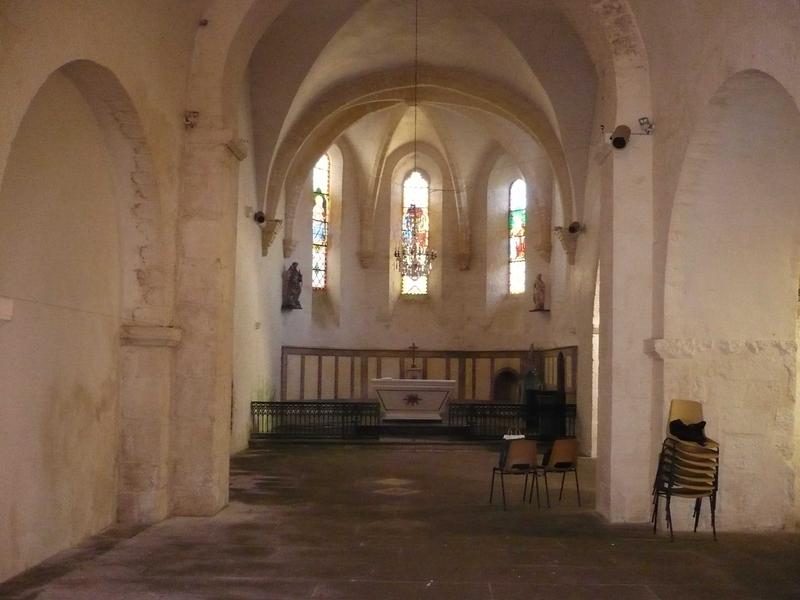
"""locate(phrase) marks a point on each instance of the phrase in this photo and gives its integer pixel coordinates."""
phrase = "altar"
(413, 399)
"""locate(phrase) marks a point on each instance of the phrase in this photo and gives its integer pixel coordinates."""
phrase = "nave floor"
(384, 522)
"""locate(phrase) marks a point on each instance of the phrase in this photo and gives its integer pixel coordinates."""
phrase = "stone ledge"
(681, 348)
(6, 310)
(150, 335)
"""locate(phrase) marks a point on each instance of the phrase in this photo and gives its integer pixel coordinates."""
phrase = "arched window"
(321, 183)
(517, 217)
(416, 193)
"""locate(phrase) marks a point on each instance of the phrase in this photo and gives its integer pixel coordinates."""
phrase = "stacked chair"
(687, 469)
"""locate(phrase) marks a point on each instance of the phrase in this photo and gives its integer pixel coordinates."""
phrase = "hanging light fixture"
(413, 257)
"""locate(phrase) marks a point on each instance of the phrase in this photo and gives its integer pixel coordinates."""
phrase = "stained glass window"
(415, 192)
(517, 205)
(321, 179)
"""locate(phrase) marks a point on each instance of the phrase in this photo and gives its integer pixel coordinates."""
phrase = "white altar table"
(413, 399)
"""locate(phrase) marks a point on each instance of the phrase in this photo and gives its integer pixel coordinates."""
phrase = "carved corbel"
(269, 231)
(150, 335)
(568, 236)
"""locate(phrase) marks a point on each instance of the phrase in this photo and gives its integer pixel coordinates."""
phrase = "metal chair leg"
(536, 481)
(697, 504)
(655, 512)
(669, 520)
(525, 488)
(503, 489)
(491, 489)
(713, 501)
(546, 489)
(561, 491)
(577, 486)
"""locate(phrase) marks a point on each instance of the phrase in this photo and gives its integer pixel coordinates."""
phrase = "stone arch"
(145, 284)
(82, 214)
(341, 107)
(388, 167)
(628, 57)
(504, 170)
(222, 51)
(221, 55)
(506, 386)
(145, 291)
(730, 297)
(325, 307)
(747, 124)
(390, 198)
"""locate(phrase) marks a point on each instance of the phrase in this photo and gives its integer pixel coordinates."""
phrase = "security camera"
(259, 217)
(575, 227)
(620, 137)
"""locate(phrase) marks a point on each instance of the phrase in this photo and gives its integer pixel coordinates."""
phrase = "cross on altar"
(413, 347)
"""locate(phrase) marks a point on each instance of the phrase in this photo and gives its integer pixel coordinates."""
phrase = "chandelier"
(413, 258)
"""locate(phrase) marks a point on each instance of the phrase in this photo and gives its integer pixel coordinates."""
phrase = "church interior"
(255, 202)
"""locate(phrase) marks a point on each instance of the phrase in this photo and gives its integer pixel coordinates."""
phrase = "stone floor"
(387, 522)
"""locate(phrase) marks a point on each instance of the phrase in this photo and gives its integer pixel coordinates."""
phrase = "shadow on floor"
(406, 521)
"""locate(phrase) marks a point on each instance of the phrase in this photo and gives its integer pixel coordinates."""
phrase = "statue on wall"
(538, 293)
(292, 286)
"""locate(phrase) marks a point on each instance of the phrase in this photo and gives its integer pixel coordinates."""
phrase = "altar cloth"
(413, 399)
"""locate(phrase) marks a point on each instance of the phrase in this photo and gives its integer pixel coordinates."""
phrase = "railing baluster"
(314, 419)
(360, 419)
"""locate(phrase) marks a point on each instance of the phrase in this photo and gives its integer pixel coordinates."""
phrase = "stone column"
(626, 406)
(146, 361)
(201, 410)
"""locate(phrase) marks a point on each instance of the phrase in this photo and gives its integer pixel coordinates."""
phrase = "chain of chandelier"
(413, 257)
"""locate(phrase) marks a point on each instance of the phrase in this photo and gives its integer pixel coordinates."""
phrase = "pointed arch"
(341, 107)
(388, 165)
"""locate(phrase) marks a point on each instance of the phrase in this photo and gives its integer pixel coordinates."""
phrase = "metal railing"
(487, 420)
(318, 419)
(491, 421)
(348, 420)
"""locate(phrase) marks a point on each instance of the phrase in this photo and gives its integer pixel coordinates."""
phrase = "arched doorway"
(506, 388)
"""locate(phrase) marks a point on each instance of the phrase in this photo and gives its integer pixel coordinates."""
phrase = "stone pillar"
(201, 410)
(626, 405)
(146, 361)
